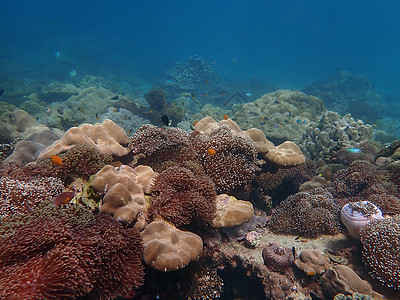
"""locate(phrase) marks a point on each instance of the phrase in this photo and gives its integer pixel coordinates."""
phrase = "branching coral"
(182, 197)
(50, 259)
(308, 214)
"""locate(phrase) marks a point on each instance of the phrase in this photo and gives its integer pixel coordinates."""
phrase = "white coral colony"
(355, 215)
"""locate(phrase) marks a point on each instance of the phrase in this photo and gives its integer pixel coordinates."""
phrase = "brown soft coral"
(51, 259)
(182, 197)
(308, 214)
(234, 161)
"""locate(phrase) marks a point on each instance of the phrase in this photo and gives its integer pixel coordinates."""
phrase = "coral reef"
(182, 197)
(312, 262)
(307, 214)
(332, 133)
(381, 252)
(167, 248)
(52, 259)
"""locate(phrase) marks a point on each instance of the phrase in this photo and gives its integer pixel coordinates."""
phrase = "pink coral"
(278, 258)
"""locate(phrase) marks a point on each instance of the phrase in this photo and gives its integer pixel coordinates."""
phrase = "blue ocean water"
(286, 43)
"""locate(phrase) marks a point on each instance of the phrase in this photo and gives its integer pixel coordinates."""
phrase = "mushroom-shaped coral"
(106, 137)
(231, 211)
(167, 248)
(286, 155)
(355, 215)
(181, 197)
(278, 258)
(124, 197)
(312, 262)
(342, 279)
(208, 125)
(381, 250)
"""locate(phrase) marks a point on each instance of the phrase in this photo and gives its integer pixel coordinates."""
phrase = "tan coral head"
(167, 248)
(286, 155)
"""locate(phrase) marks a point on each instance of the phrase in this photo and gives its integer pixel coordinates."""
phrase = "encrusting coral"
(50, 259)
(312, 262)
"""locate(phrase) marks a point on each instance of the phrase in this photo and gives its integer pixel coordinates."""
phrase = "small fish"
(56, 160)
(27, 207)
(72, 73)
(211, 151)
(12, 117)
(1, 92)
(97, 116)
(192, 95)
(48, 111)
(195, 122)
(169, 82)
(115, 110)
(311, 273)
(223, 94)
(225, 117)
(254, 113)
(277, 102)
(116, 97)
(63, 198)
(353, 150)
(195, 132)
(249, 94)
(277, 126)
(290, 113)
(298, 121)
(60, 111)
(233, 60)
(166, 120)
(57, 54)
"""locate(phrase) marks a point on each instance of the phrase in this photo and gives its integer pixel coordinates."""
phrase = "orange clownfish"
(56, 160)
(225, 117)
(195, 123)
(211, 151)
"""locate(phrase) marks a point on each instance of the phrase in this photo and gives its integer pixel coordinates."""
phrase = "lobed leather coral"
(307, 214)
(167, 248)
(123, 190)
(51, 259)
(106, 137)
(381, 252)
(182, 197)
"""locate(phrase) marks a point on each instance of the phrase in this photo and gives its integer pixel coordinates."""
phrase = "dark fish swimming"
(116, 97)
(1, 92)
(166, 120)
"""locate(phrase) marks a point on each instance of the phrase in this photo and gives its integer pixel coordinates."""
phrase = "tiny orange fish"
(97, 117)
(211, 151)
(195, 122)
(56, 160)
(225, 117)
(311, 273)
(63, 198)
